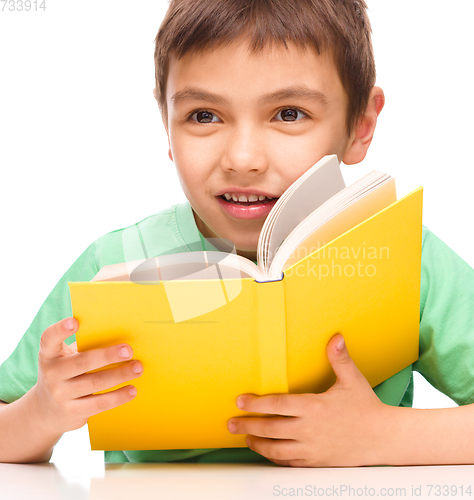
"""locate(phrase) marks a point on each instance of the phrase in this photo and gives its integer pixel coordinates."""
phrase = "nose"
(244, 151)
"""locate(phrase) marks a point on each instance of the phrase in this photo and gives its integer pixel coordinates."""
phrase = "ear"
(362, 136)
(154, 93)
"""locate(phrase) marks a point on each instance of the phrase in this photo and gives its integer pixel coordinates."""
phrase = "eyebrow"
(298, 92)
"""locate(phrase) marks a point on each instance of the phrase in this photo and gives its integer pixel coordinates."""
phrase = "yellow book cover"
(260, 338)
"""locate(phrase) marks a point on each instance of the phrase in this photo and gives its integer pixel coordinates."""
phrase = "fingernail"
(124, 352)
(340, 345)
(239, 402)
(137, 367)
(132, 391)
(248, 441)
(232, 428)
(69, 324)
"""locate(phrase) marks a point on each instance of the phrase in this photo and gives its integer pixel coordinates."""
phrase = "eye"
(203, 116)
(289, 115)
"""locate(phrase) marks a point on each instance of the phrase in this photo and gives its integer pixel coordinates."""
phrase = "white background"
(83, 150)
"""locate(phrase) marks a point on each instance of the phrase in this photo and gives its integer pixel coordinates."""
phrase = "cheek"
(303, 152)
(193, 157)
(294, 155)
(192, 179)
(190, 163)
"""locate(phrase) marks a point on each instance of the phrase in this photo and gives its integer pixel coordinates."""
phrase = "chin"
(241, 246)
(244, 239)
(246, 248)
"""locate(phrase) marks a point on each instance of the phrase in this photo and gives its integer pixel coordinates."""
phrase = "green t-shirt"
(446, 322)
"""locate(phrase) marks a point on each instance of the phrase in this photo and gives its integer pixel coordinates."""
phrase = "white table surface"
(53, 481)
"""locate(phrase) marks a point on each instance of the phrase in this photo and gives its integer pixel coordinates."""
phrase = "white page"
(309, 192)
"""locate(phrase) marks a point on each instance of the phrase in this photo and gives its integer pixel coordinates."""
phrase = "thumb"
(344, 367)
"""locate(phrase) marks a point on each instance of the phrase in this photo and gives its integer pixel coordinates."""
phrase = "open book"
(314, 210)
(211, 325)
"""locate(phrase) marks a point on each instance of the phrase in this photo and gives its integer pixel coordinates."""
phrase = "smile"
(242, 199)
(239, 209)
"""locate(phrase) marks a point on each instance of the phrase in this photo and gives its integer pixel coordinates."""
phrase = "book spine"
(271, 334)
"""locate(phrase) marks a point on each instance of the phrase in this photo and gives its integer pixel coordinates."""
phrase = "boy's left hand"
(343, 426)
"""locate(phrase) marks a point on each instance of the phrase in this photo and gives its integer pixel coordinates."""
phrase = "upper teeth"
(243, 198)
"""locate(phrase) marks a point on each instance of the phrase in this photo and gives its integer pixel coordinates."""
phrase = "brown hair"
(339, 26)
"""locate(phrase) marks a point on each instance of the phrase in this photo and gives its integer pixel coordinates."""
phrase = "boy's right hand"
(64, 390)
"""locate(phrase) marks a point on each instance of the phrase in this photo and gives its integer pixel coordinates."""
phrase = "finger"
(51, 342)
(91, 383)
(300, 462)
(291, 405)
(344, 367)
(292, 463)
(284, 463)
(274, 449)
(269, 427)
(97, 403)
(87, 361)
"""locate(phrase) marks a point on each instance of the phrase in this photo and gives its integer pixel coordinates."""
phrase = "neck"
(248, 255)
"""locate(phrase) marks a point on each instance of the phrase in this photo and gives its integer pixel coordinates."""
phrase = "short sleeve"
(446, 321)
(19, 373)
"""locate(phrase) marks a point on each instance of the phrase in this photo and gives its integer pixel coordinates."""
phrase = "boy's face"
(250, 125)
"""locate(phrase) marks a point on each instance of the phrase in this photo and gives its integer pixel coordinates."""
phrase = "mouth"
(246, 201)
(250, 206)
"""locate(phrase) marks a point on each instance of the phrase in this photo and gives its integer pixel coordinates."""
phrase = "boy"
(247, 123)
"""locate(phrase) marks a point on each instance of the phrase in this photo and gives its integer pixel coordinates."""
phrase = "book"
(211, 325)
